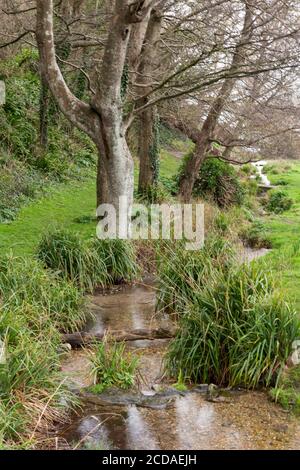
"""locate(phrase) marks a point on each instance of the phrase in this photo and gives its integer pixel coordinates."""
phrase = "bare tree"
(144, 56)
(103, 119)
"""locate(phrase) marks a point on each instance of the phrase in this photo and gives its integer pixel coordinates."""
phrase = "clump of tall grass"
(31, 389)
(89, 263)
(234, 327)
(278, 202)
(112, 366)
(119, 257)
(25, 281)
(255, 235)
(180, 271)
(67, 253)
(36, 305)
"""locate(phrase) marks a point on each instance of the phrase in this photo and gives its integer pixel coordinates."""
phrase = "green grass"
(58, 209)
(65, 207)
(288, 391)
(168, 164)
(284, 229)
(112, 366)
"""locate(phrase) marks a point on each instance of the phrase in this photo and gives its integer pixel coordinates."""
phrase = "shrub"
(18, 130)
(170, 184)
(255, 236)
(248, 169)
(154, 194)
(18, 184)
(281, 182)
(234, 329)
(217, 181)
(278, 202)
(112, 366)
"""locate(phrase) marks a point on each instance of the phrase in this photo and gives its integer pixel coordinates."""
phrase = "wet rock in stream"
(146, 399)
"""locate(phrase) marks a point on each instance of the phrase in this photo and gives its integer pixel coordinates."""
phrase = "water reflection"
(194, 423)
(130, 308)
(139, 435)
(250, 421)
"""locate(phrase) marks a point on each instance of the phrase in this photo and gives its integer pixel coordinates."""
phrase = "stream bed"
(156, 416)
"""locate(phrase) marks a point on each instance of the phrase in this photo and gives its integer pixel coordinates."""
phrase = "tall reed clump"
(33, 397)
(119, 257)
(67, 253)
(36, 305)
(89, 263)
(180, 270)
(24, 280)
(234, 327)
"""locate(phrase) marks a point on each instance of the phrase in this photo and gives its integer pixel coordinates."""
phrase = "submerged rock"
(116, 397)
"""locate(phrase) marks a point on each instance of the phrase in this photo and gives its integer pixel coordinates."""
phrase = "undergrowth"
(112, 366)
(26, 169)
(35, 307)
(235, 328)
(90, 263)
(287, 393)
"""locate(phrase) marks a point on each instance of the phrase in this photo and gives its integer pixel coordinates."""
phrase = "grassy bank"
(284, 229)
(66, 206)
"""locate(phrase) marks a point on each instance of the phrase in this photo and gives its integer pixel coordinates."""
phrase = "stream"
(156, 416)
(259, 166)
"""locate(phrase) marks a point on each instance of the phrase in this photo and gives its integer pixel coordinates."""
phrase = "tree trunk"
(194, 163)
(102, 120)
(148, 150)
(102, 190)
(115, 178)
(148, 140)
(115, 174)
(44, 113)
(204, 140)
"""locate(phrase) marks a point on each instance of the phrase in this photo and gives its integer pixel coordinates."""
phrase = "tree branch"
(78, 112)
(13, 41)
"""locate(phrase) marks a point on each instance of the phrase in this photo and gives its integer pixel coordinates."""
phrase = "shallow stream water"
(259, 166)
(241, 420)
